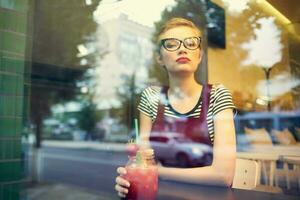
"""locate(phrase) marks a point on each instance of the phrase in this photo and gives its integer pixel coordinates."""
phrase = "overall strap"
(161, 107)
(205, 100)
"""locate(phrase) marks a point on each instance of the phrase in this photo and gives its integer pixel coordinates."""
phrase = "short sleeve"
(223, 100)
(149, 101)
(144, 105)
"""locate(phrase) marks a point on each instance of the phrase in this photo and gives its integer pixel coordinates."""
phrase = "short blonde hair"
(175, 22)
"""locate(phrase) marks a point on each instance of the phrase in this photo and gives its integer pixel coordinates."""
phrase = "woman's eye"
(171, 44)
(191, 43)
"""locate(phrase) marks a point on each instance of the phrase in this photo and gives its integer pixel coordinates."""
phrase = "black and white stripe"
(220, 99)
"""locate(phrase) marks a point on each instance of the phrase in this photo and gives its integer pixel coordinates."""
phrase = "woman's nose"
(182, 49)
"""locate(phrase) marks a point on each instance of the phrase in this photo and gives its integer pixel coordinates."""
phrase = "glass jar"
(142, 174)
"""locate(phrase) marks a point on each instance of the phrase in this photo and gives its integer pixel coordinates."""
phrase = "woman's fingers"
(122, 182)
(121, 170)
(121, 190)
(121, 194)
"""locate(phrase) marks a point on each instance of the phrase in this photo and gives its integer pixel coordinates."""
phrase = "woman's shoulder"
(152, 90)
(219, 88)
(152, 93)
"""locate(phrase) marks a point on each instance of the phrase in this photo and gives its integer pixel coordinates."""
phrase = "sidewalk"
(117, 147)
(49, 191)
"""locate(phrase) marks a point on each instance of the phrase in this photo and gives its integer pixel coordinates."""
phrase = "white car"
(174, 148)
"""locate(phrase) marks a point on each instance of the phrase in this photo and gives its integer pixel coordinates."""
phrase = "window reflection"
(72, 72)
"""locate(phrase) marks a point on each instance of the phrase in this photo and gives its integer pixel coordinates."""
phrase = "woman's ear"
(159, 59)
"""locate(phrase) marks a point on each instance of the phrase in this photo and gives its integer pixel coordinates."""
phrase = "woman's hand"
(122, 184)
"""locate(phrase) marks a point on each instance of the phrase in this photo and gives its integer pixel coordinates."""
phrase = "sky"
(267, 36)
(145, 12)
(236, 7)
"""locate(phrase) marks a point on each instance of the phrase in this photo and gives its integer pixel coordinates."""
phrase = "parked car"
(174, 148)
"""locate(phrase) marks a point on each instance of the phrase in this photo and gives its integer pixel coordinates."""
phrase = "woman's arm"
(221, 172)
(145, 129)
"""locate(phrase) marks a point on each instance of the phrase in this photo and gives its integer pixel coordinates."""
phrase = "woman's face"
(183, 60)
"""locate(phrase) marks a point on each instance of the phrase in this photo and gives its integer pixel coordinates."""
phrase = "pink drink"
(143, 178)
(143, 183)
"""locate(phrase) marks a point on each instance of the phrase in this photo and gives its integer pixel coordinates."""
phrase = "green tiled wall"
(13, 42)
(13, 37)
(12, 22)
(16, 5)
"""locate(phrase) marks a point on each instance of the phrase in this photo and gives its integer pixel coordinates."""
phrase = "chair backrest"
(246, 174)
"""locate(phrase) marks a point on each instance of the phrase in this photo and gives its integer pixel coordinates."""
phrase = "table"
(169, 190)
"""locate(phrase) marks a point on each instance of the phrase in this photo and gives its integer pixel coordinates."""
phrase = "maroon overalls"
(195, 129)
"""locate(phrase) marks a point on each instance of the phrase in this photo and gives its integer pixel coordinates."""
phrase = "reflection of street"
(91, 169)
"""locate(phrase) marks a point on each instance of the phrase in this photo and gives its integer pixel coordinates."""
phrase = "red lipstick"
(182, 60)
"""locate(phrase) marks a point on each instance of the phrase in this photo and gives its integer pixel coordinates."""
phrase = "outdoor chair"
(246, 174)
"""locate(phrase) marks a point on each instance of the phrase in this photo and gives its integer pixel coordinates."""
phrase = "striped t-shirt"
(220, 99)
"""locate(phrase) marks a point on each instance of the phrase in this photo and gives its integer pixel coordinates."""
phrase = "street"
(94, 170)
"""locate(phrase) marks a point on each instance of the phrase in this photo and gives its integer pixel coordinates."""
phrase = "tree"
(88, 118)
(130, 99)
(59, 27)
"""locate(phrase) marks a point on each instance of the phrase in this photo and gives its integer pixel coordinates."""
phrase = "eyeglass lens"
(173, 44)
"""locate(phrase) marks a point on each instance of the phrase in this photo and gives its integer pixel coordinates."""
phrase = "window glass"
(75, 75)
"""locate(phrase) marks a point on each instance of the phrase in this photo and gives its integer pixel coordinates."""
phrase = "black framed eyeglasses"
(173, 44)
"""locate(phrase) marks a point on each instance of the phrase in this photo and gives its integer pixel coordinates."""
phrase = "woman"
(208, 109)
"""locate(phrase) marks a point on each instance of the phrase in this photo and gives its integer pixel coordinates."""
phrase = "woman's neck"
(184, 87)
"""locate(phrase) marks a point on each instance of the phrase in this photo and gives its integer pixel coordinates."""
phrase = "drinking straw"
(136, 130)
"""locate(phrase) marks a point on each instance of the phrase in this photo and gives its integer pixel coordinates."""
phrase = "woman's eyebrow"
(180, 38)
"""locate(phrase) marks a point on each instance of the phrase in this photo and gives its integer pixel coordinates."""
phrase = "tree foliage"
(59, 27)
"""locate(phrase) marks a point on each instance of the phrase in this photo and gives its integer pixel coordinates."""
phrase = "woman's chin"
(183, 72)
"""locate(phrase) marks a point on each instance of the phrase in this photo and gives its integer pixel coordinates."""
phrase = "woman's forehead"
(180, 32)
